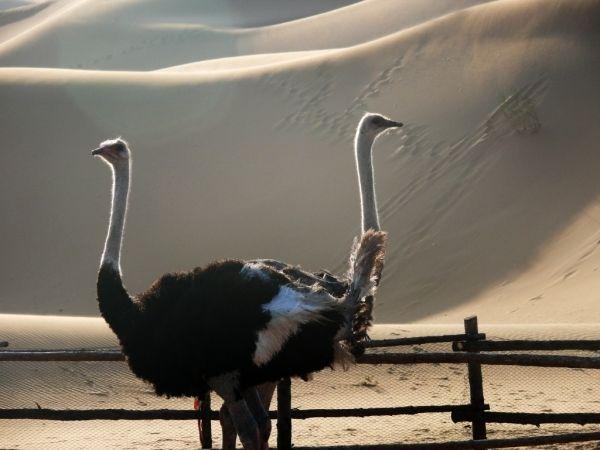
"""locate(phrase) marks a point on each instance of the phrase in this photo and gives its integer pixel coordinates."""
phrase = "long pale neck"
(363, 145)
(116, 306)
(112, 247)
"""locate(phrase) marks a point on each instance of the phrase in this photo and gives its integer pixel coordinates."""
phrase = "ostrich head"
(114, 152)
(373, 124)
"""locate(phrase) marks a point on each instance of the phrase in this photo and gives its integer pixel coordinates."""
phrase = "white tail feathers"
(366, 263)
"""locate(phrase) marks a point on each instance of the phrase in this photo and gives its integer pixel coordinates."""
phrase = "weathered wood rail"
(516, 345)
(466, 350)
(183, 414)
(575, 362)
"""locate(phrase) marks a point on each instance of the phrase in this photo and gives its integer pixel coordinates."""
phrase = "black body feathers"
(194, 325)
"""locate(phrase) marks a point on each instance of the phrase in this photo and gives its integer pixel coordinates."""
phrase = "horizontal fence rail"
(366, 412)
(523, 345)
(62, 355)
(418, 340)
(529, 418)
(109, 414)
(581, 362)
(185, 414)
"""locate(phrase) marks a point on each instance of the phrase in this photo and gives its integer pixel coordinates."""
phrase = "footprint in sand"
(309, 110)
(517, 112)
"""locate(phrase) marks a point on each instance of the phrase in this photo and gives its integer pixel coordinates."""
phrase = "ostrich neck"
(364, 166)
(116, 306)
(112, 247)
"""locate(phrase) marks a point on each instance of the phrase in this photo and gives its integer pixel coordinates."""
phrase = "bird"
(231, 325)
(370, 126)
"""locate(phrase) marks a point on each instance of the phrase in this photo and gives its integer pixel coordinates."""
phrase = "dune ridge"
(147, 41)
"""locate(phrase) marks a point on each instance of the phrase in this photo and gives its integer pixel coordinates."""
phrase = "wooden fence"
(466, 349)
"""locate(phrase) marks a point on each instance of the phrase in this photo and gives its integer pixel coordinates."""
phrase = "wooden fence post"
(284, 414)
(476, 384)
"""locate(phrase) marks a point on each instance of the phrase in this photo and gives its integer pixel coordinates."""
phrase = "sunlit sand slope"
(490, 192)
(142, 34)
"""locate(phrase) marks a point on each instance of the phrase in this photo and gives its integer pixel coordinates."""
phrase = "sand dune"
(20, 12)
(142, 35)
(487, 192)
(247, 61)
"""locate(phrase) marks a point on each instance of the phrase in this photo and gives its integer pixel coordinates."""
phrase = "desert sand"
(241, 118)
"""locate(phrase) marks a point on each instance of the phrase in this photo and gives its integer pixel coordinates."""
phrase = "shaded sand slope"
(110, 385)
(489, 192)
(17, 16)
(143, 35)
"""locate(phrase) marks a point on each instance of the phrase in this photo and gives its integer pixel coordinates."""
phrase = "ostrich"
(369, 127)
(229, 326)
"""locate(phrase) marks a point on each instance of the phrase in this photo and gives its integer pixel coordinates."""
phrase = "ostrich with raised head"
(231, 325)
(369, 128)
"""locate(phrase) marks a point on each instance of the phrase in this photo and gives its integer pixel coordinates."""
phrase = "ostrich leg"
(227, 428)
(226, 386)
(245, 424)
(265, 391)
(260, 413)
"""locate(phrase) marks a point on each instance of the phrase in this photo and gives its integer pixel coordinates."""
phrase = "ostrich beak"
(97, 151)
(393, 124)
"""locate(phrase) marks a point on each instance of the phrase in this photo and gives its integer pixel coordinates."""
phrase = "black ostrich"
(231, 325)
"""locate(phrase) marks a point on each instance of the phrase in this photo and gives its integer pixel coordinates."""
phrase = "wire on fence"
(395, 366)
